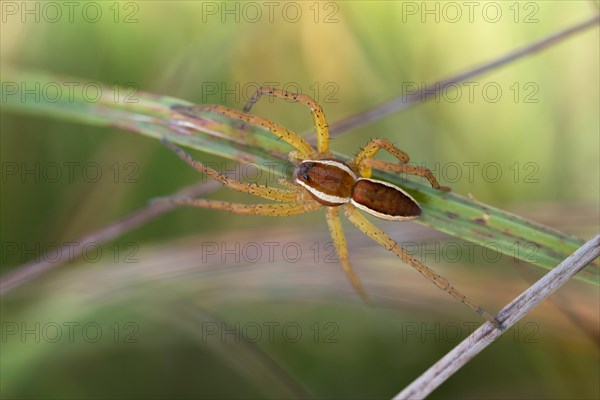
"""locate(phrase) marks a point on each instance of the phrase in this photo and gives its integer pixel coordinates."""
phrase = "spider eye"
(304, 168)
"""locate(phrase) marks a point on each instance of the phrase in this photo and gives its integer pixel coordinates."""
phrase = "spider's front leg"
(365, 162)
(268, 209)
(292, 201)
(269, 193)
(387, 242)
(291, 138)
(321, 127)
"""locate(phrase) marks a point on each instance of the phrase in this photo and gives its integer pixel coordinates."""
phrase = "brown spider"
(319, 180)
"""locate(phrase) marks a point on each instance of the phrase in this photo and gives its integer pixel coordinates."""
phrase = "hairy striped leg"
(270, 209)
(251, 188)
(365, 162)
(303, 148)
(407, 169)
(292, 201)
(339, 241)
(321, 127)
(371, 149)
(384, 240)
(291, 204)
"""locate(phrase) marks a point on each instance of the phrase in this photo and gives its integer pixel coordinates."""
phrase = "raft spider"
(320, 180)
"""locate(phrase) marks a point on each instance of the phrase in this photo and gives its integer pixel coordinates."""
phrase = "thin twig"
(513, 312)
(404, 101)
(30, 270)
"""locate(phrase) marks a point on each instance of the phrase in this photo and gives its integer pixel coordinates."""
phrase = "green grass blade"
(154, 116)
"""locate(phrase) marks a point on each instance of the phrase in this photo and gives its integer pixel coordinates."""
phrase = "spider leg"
(384, 240)
(268, 209)
(250, 188)
(292, 138)
(339, 241)
(407, 169)
(318, 115)
(286, 183)
(365, 162)
(371, 149)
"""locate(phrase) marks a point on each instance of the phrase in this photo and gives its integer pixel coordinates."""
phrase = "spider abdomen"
(384, 200)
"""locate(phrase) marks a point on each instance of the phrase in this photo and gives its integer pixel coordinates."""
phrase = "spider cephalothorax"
(328, 181)
(322, 181)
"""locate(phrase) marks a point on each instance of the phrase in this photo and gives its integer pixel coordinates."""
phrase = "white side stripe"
(382, 215)
(324, 196)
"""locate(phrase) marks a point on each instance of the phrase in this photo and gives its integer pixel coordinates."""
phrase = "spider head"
(328, 181)
(302, 172)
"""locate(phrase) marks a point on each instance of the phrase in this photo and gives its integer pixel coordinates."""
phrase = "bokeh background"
(193, 304)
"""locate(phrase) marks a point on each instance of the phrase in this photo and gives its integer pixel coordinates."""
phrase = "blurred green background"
(156, 314)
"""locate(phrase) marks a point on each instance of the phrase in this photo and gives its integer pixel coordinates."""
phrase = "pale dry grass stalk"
(508, 316)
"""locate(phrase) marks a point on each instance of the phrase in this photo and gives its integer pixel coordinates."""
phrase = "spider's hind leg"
(365, 162)
(371, 149)
(384, 240)
(407, 169)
